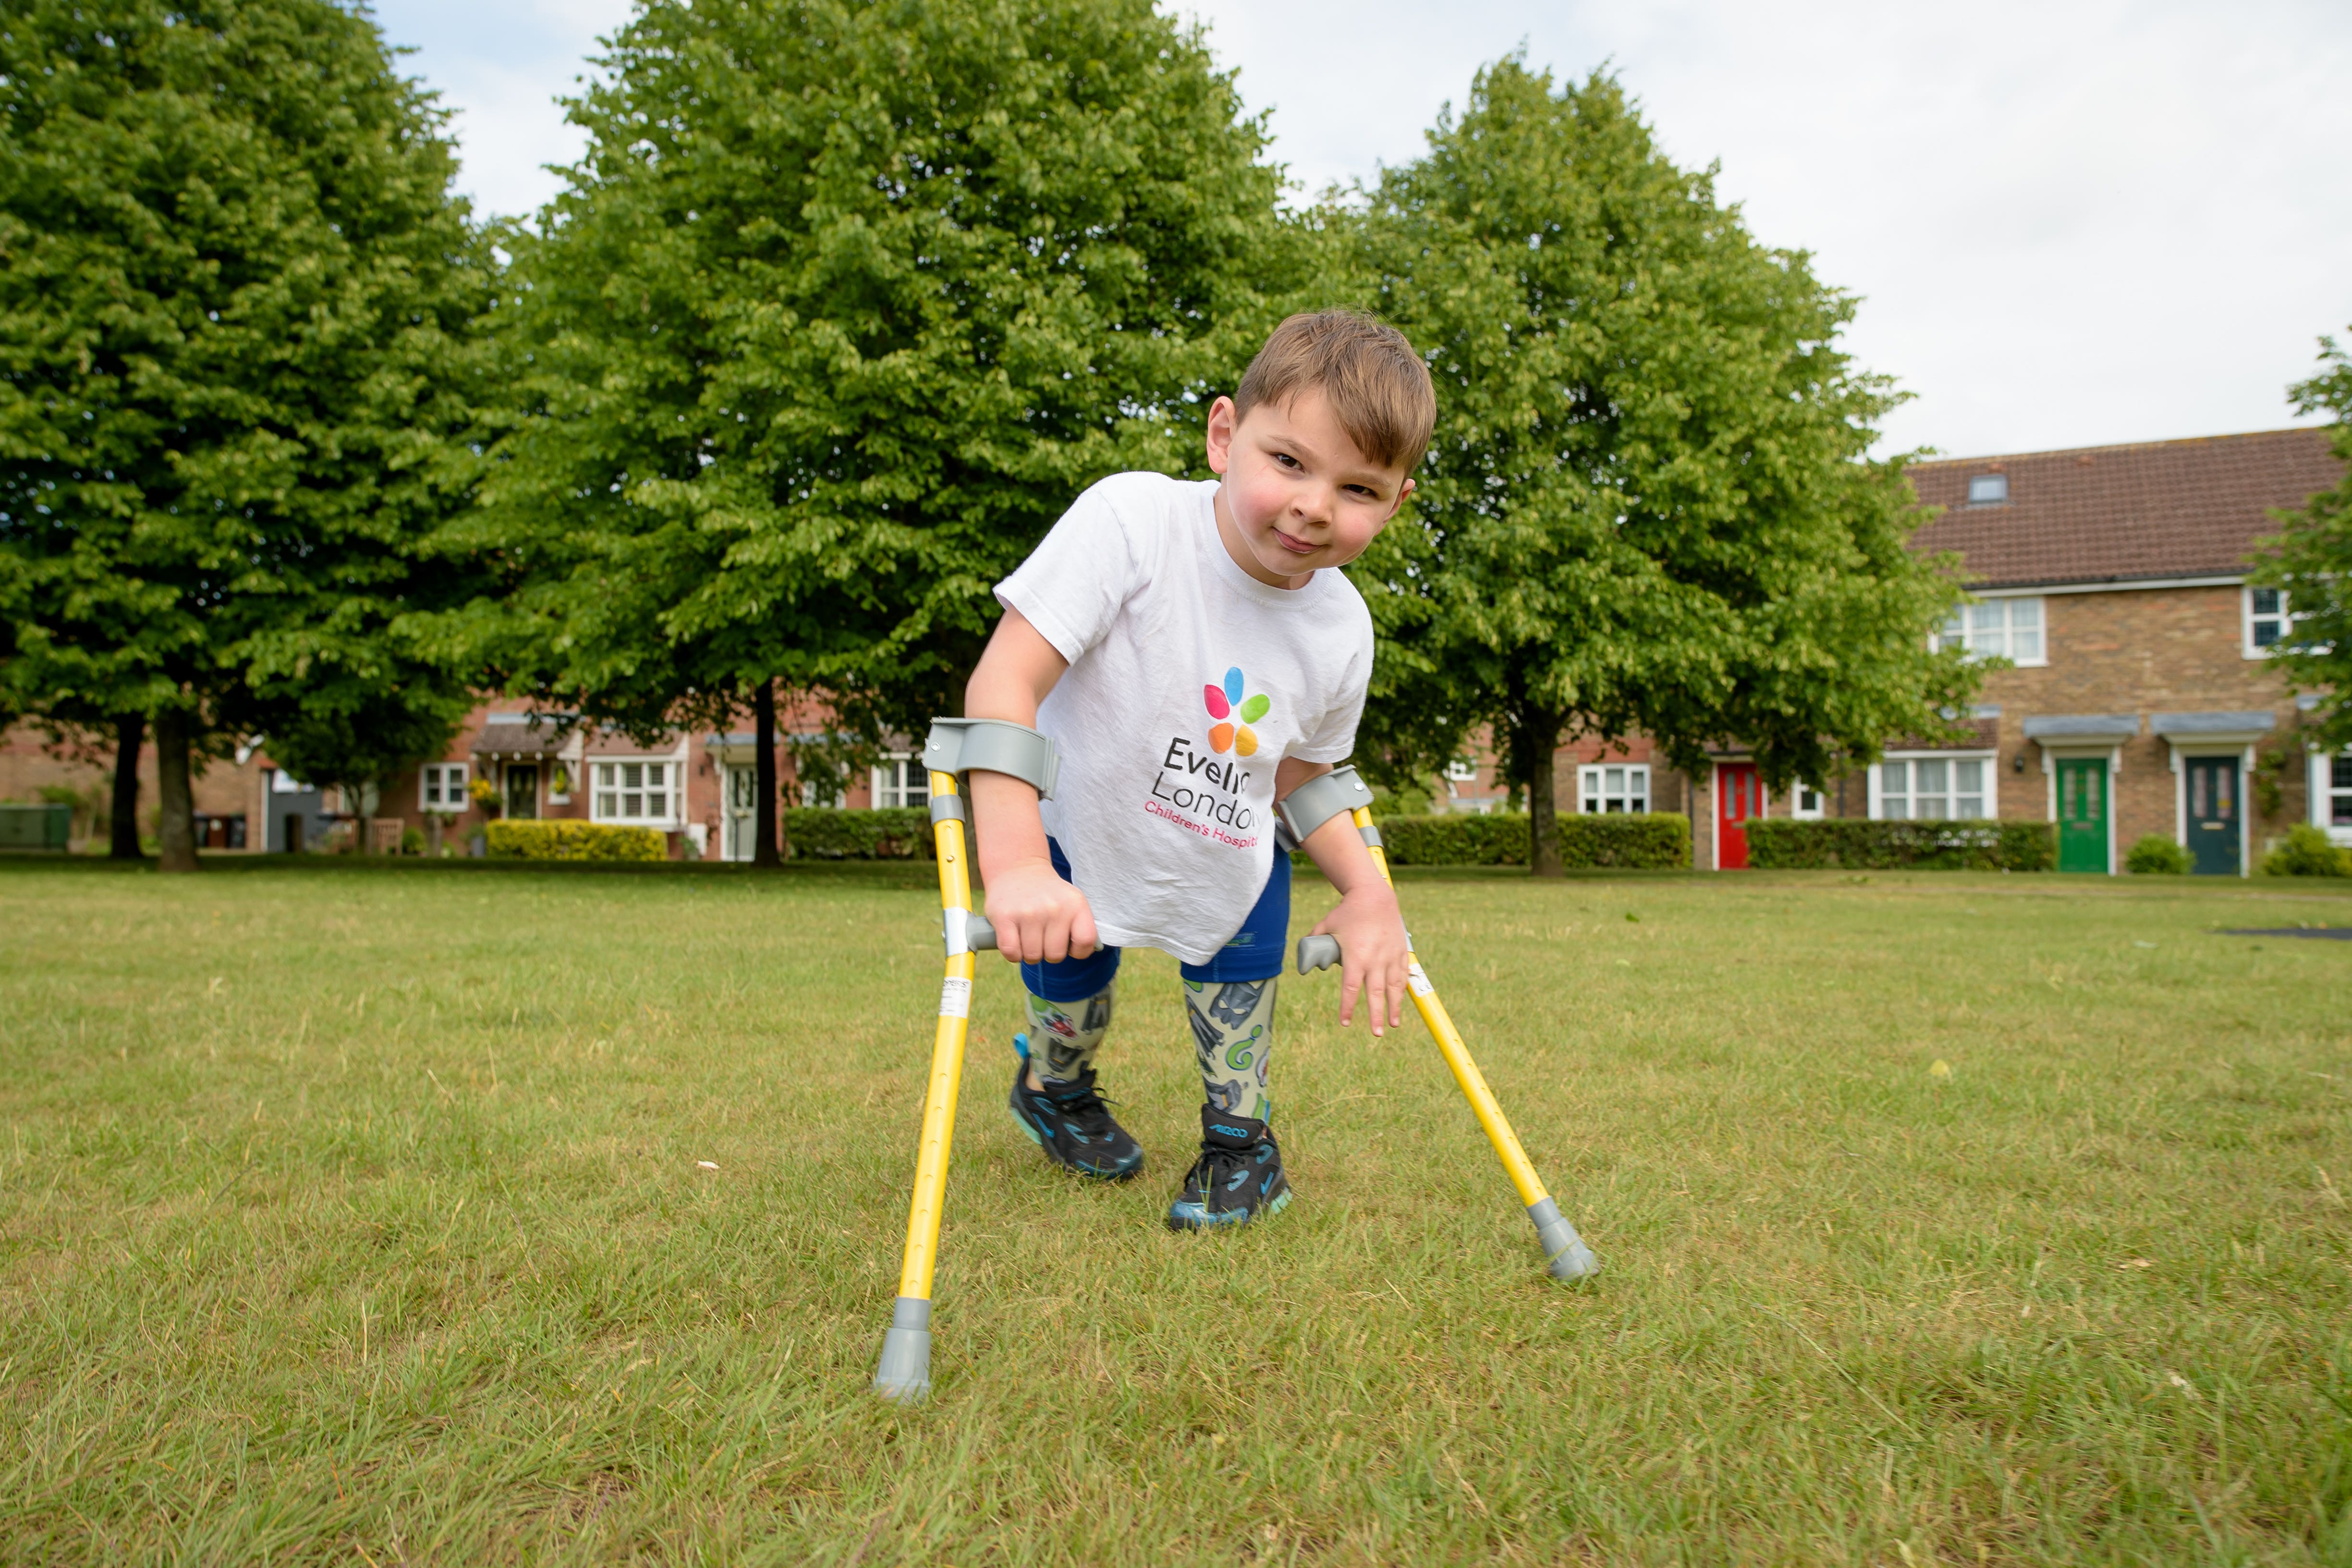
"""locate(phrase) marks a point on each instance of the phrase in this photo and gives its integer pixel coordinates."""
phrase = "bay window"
(1933, 788)
(640, 793)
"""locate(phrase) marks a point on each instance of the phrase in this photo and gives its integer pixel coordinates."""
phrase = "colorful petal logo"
(1234, 716)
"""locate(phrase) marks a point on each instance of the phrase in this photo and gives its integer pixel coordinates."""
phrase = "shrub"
(886, 833)
(566, 841)
(411, 842)
(2307, 851)
(1783, 844)
(2156, 855)
(1659, 841)
(1455, 839)
(1654, 841)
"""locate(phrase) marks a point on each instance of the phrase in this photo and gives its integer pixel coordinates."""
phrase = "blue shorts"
(1254, 954)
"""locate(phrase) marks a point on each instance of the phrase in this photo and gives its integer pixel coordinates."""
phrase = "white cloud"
(2071, 223)
(501, 65)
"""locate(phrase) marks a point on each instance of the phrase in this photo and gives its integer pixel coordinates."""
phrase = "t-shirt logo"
(1234, 714)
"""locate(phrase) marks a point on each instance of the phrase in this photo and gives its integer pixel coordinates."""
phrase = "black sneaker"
(1237, 1177)
(1072, 1124)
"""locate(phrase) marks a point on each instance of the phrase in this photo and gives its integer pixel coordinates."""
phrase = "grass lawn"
(357, 1214)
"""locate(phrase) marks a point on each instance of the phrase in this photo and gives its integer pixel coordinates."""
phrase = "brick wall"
(30, 761)
(2142, 651)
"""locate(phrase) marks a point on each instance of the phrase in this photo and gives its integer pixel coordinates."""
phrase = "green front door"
(2214, 806)
(522, 790)
(2083, 815)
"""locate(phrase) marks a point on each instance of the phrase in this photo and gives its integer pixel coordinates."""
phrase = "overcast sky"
(2071, 223)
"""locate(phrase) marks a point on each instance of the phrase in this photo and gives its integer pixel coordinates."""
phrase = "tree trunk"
(179, 830)
(130, 738)
(765, 847)
(1537, 739)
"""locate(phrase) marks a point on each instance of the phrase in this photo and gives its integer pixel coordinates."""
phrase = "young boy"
(1195, 653)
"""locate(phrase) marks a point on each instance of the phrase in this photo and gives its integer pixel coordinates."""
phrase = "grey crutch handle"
(1318, 952)
(967, 932)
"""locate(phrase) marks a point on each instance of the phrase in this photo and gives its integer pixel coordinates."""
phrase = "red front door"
(1739, 795)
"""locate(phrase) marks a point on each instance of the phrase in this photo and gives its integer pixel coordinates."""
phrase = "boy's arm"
(1369, 927)
(1039, 918)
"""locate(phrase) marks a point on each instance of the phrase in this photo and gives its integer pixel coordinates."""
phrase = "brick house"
(698, 788)
(695, 788)
(2141, 700)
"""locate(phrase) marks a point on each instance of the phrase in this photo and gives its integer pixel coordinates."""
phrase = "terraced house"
(2138, 696)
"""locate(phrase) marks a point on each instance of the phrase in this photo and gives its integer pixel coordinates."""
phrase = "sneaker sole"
(1196, 1217)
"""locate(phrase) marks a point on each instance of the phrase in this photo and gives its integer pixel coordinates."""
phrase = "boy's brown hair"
(1379, 388)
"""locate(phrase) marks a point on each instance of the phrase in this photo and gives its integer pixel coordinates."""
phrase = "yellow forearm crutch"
(953, 745)
(1565, 1253)
(904, 1374)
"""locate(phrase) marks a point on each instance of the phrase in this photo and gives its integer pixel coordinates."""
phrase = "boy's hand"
(1371, 929)
(1039, 918)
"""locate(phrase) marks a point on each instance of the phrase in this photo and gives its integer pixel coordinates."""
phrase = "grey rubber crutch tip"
(904, 1374)
(1566, 1256)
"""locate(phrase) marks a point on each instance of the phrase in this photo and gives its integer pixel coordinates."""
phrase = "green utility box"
(34, 827)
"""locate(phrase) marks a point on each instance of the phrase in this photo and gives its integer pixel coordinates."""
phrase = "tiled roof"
(2116, 514)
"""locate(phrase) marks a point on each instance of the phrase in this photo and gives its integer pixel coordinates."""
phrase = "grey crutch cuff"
(994, 746)
(1320, 799)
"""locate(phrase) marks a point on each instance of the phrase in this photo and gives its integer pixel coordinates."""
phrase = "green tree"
(2311, 559)
(1648, 507)
(847, 301)
(236, 299)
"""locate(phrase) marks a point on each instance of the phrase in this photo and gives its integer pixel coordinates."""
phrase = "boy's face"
(1298, 495)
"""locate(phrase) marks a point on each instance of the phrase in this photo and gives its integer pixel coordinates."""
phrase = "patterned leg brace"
(1063, 1035)
(1233, 1032)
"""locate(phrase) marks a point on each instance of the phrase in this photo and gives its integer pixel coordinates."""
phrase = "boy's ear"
(1223, 419)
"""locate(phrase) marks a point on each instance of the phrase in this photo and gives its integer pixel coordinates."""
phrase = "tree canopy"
(2312, 560)
(847, 301)
(1648, 507)
(236, 298)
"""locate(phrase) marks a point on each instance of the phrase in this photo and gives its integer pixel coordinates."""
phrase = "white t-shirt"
(1189, 681)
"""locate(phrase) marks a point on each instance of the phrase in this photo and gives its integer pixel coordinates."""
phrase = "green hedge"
(1654, 841)
(1499, 839)
(2308, 852)
(1854, 844)
(886, 833)
(1659, 841)
(569, 840)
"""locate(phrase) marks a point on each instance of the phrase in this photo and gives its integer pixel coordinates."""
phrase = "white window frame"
(1996, 475)
(895, 783)
(1462, 771)
(1802, 812)
(1593, 795)
(2249, 619)
(2324, 792)
(609, 792)
(1990, 629)
(572, 772)
(1991, 782)
(452, 779)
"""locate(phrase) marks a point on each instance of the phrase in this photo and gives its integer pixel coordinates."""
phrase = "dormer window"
(1988, 490)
